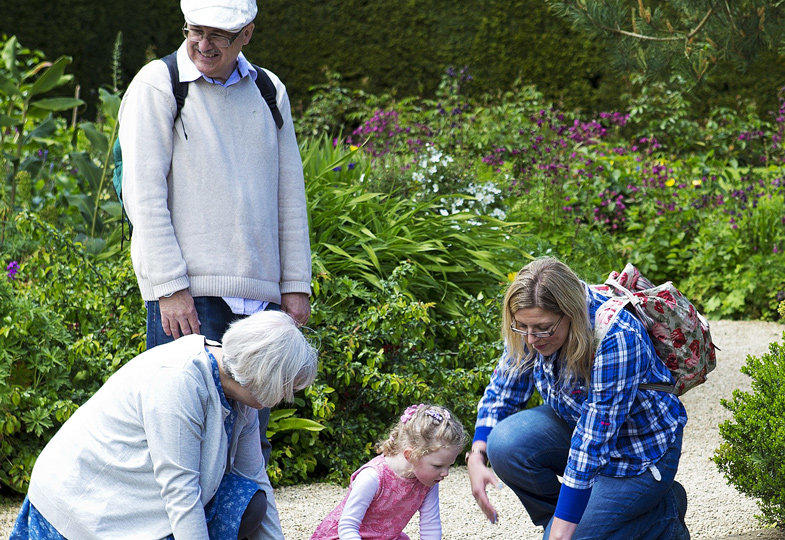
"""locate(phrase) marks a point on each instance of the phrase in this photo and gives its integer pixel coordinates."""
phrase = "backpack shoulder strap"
(179, 89)
(267, 88)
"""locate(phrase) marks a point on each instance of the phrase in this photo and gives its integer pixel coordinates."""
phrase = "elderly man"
(214, 189)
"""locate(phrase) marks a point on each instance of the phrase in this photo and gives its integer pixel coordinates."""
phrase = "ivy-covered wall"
(390, 45)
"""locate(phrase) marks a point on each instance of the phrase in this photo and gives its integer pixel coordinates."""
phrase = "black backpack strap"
(179, 89)
(267, 88)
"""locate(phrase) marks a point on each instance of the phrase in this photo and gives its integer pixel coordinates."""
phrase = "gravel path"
(716, 510)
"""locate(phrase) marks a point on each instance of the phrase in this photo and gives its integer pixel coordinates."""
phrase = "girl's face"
(434, 467)
(537, 320)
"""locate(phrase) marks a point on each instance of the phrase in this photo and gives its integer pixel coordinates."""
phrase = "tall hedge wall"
(377, 45)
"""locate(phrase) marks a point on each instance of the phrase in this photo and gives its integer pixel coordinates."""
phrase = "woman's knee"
(527, 433)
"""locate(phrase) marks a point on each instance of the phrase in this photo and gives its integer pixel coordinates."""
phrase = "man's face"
(210, 59)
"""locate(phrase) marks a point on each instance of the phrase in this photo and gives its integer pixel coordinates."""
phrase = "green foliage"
(382, 350)
(364, 236)
(26, 120)
(689, 37)
(754, 439)
(66, 323)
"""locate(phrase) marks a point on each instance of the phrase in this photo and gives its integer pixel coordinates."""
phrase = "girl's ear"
(407, 454)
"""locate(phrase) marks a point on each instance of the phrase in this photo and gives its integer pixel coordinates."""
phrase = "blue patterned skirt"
(223, 513)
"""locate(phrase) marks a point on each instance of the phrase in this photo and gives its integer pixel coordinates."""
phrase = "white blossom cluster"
(478, 198)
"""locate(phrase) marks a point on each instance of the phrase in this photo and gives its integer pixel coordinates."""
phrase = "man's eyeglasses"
(221, 41)
(546, 333)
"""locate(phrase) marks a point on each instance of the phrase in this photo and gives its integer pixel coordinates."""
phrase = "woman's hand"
(561, 530)
(480, 475)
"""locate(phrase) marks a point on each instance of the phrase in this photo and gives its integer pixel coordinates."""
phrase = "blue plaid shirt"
(619, 429)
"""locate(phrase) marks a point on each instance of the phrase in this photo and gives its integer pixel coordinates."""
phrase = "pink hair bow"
(409, 412)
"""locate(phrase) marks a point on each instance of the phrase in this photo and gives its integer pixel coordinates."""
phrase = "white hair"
(268, 355)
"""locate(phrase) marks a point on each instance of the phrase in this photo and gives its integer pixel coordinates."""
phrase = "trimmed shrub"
(751, 456)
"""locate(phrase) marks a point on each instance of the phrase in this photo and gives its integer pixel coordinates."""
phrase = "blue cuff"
(481, 433)
(572, 503)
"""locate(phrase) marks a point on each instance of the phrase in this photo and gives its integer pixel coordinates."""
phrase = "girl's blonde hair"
(424, 428)
(549, 284)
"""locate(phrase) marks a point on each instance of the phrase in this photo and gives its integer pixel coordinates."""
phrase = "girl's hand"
(561, 530)
(480, 476)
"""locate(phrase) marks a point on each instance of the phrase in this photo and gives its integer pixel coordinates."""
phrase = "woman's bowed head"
(265, 359)
(545, 312)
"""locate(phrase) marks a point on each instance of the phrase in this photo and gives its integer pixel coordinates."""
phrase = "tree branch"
(636, 35)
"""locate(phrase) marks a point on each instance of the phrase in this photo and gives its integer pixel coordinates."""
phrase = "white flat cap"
(229, 15)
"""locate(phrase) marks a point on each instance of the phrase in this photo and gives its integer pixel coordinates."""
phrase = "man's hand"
(480, 476)
(298, 306)
(178, 314)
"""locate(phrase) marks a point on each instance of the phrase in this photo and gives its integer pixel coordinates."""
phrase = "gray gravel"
(716, 510)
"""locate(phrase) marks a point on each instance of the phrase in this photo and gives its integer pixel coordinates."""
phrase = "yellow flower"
(670, 182)
(511, 276)
(353, 148)
(696, 182)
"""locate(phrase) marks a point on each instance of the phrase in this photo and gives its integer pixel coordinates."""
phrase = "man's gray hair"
(268, 355)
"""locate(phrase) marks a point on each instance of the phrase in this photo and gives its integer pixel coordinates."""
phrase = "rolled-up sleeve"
(507, 393)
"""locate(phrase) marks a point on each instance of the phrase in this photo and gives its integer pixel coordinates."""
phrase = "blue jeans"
(529, 449)
(214, 318)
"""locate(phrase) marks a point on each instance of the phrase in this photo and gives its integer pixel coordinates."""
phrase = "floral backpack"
(680, 334)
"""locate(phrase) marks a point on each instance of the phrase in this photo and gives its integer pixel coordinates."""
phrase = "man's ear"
(247, 33)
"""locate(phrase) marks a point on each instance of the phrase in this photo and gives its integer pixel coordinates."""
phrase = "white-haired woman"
(169, 446)
(616, 445)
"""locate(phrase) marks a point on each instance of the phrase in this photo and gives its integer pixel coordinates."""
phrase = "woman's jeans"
(529, 449)
(214, 318)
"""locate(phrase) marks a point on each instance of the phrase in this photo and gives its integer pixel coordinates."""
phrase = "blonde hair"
(549, 284)
(267, 354)
(425, 429)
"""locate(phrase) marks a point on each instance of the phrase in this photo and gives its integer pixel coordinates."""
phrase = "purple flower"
(351, 166)
(12, 269)
(338, 168)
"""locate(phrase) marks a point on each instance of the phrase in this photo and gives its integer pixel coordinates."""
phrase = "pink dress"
(393, 506)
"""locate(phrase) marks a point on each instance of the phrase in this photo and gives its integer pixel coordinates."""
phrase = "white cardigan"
(142, 457)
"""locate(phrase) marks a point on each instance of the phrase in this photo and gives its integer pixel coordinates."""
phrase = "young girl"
(385, 493)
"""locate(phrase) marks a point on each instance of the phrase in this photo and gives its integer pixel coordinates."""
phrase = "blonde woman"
(615, 445)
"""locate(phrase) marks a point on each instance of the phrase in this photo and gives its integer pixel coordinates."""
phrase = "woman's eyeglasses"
(546, 333)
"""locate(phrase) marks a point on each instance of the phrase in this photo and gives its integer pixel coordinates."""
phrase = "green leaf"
(299, 423)
(280, 414)
(50, 78)
(9, 56)
(43, 130)
(110, 103)
(99, 141)
(8, 121)
(57, 104)
(7, 86)
(87, 168)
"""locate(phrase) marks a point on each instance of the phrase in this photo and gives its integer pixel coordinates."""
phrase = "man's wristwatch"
(481, 452)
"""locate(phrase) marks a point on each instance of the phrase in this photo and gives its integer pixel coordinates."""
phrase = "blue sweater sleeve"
(572, 503)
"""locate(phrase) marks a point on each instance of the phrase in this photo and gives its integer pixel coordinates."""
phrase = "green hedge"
(395, 45)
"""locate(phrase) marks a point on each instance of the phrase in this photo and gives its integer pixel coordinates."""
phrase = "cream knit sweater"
(217, 201)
